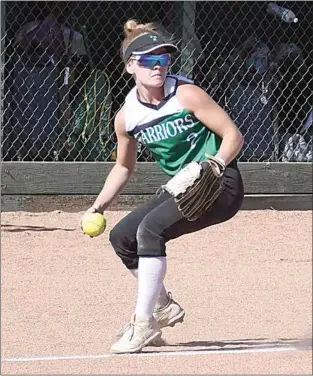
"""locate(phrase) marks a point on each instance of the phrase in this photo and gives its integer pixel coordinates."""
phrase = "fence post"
(3, 22)
(190, 46)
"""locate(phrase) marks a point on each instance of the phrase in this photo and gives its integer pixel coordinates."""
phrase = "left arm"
(196, 100)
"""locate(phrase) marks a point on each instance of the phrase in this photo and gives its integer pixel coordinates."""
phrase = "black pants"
(145, 231)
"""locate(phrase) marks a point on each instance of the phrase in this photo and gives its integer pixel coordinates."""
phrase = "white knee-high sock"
(162, 298)
(151, 273)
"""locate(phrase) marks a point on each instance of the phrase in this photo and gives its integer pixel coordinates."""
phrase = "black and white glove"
(197, 186)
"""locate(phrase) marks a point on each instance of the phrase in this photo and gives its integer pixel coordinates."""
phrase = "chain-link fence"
(63, 79)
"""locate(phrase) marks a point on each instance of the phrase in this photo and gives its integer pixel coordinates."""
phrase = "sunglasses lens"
(151, 61)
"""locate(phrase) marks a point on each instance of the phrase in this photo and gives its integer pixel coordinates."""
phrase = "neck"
(152, 95)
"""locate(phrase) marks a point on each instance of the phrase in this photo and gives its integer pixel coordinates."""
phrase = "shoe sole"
(149, 340)
(175, 320)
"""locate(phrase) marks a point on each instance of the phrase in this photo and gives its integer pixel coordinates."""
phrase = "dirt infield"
(246, 286)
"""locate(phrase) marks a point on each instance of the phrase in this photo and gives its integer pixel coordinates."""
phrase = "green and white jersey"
(174, 135)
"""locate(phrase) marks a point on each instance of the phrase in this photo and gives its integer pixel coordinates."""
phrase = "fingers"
(216, 168)
(218, 163)
(92, 209)
(89, 210)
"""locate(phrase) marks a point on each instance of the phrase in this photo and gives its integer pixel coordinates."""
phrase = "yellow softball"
(93, 224)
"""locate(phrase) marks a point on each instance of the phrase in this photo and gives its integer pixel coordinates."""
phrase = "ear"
(130, 68)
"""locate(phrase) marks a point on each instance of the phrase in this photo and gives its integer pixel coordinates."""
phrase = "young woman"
(179, 123)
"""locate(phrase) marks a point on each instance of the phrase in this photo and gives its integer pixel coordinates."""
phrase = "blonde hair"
(132, 30)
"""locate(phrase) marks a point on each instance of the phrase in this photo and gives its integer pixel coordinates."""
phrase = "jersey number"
(192, 139)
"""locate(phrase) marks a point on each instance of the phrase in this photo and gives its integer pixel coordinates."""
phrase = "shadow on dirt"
(14, 228)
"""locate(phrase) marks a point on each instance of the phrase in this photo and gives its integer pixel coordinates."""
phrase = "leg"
(163, 298)
(123, 235)
(163, 223)
(124, 242)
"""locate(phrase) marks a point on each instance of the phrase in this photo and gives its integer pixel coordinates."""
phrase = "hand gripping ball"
(93, 224)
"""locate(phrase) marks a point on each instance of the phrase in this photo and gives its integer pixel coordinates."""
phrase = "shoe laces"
(131, 330)
(123, 330)
(128, 327)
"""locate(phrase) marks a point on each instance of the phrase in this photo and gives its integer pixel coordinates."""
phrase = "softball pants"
(146, 230)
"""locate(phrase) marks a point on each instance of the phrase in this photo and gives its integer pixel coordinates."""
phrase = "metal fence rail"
(63, 79)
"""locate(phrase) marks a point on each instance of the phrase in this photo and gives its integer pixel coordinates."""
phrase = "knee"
(115, 237)
(117, 240)
(124, 247)
(150, 240)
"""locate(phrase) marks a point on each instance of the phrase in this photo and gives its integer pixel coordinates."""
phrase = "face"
(150, 70)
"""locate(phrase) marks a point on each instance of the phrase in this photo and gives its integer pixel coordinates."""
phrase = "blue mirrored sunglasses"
(150, 61)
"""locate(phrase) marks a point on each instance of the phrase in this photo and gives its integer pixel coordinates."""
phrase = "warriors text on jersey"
(174, 135)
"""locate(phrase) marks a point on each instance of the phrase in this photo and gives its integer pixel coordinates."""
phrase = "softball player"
(180, 124)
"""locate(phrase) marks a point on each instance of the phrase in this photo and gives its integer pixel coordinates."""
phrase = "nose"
(157, 65)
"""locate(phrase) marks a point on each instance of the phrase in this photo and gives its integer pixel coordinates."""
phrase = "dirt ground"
(246, 286)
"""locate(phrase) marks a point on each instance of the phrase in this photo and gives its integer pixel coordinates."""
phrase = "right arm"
(123, 168)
